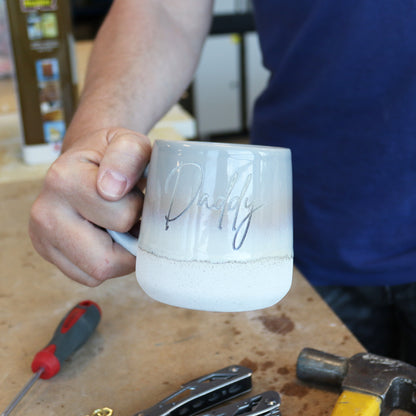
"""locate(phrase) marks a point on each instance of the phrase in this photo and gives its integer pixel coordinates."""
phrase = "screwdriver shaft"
(22, 392)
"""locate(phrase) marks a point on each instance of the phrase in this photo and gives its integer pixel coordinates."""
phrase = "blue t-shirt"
(342, 97)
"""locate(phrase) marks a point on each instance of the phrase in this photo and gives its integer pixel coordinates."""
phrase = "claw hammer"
(371, 385)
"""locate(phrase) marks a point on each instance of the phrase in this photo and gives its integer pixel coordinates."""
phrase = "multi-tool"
(197, 396)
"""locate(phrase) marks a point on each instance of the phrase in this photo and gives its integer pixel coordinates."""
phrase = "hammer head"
(392, 380)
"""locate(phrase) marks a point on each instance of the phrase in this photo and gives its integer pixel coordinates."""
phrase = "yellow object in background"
(235, 38)
(38, 3)
(49, 25)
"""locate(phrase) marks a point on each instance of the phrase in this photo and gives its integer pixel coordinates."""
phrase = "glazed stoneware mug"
(216, 227)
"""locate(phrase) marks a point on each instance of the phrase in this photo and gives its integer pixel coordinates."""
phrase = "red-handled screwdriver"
(72, 332)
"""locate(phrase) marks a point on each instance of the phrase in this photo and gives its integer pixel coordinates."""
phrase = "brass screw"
(105, 411)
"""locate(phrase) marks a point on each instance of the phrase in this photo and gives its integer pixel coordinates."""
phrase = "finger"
(123, 163)
(81, 194)
(95, 274)
(71, 270)
(81, 250)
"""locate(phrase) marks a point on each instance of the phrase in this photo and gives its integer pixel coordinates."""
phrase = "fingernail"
(113, 183)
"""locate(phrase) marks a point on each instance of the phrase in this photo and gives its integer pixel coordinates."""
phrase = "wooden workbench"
(143, 350)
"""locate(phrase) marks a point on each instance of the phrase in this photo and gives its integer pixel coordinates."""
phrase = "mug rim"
(221, 145)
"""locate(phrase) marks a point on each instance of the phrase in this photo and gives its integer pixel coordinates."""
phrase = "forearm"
(143, 59)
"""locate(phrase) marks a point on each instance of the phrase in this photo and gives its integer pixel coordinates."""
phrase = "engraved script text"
(235, 202)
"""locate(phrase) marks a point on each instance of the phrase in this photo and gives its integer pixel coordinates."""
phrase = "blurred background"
(228, 80)
(230, 75)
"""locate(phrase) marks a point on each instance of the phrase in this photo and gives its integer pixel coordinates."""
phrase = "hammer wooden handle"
(352, 403)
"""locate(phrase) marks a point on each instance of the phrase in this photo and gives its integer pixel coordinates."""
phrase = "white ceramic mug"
(216, 229)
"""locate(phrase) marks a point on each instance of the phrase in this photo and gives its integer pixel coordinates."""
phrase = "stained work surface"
(143, 350)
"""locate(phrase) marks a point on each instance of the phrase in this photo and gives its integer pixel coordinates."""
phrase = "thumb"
(124, 161)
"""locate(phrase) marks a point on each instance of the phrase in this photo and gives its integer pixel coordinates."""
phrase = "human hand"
(95, 184)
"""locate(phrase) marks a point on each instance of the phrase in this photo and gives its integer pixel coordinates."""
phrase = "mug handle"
(126, 240)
